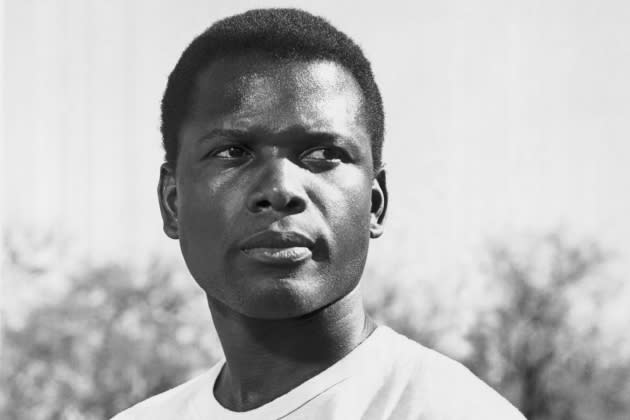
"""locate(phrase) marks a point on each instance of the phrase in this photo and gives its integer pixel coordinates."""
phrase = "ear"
(379, 204)
(167, 196)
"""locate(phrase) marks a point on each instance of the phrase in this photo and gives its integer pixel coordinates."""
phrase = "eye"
(330, 155)
(230, 152)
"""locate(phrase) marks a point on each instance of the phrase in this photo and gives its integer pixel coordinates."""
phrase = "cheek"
(349, 221)
(207, 201)
(351, 205)
(205, 210)
(349, 218)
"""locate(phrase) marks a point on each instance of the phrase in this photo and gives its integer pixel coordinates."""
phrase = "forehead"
(255, 86)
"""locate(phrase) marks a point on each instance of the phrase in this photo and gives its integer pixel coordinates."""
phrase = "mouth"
(278, 248)
(290, 255)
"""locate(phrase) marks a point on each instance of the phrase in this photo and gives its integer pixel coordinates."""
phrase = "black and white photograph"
(332, 210)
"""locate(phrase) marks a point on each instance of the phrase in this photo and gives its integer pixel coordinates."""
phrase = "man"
(273, 184)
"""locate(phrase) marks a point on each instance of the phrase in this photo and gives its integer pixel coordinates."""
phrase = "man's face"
(274, 198)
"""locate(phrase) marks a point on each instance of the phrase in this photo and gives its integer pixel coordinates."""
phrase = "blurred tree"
(430, 311)
(398, 308)
(531, 347)
(115, 337)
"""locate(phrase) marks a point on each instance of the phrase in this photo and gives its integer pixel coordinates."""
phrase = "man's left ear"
(379, 204)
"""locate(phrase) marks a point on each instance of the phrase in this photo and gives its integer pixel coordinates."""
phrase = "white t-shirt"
(387, 376)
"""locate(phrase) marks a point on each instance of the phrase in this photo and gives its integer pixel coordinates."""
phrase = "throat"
(266, 362)
(243, 396)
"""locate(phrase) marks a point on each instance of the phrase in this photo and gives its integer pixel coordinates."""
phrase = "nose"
(278, 188)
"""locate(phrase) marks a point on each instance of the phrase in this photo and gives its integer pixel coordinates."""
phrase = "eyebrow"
(222, 132)
(291, 132)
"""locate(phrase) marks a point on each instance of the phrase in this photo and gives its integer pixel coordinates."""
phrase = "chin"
(283, 301)
(277, 314)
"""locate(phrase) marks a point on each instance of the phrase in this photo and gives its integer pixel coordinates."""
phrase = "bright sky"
(502, 117)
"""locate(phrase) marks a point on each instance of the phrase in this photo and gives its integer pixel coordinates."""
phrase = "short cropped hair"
(284, 34)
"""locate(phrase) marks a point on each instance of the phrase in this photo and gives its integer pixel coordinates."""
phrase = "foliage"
(114, 335)
(550, 363)
(113, 338)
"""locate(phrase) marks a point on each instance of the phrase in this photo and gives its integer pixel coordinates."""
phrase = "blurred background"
(507, 145)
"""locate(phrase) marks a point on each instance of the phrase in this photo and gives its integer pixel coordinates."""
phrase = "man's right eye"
(230, 152)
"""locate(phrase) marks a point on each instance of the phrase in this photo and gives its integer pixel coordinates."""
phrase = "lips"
(273, 247)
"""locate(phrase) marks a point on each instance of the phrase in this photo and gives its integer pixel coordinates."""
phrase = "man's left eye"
(329, 155)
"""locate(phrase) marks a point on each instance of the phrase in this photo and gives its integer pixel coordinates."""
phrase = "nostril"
(276, 200)
(263, 204)
(294, 204)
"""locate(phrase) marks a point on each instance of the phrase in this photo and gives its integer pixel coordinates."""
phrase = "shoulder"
(447, 388)
(179, 402)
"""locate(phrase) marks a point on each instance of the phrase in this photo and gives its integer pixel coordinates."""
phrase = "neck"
(268, 358)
